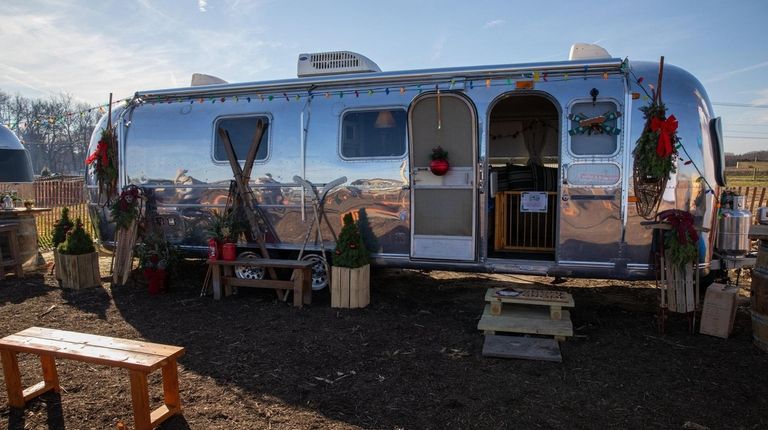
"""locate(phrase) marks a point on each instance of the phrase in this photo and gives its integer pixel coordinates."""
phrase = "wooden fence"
(755, 197)
(57, 193)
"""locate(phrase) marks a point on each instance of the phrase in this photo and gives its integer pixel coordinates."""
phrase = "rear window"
(241, 132)
(373, 134)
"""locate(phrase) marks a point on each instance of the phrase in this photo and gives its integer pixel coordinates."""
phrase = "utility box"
(719, 310)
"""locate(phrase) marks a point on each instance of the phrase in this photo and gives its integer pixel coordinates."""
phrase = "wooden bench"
(140, 358)
(222, 276)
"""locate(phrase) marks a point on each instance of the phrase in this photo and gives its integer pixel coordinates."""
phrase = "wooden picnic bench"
(139, 357)
(222, 276)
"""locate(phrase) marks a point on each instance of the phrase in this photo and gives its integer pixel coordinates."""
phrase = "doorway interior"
(524, 159)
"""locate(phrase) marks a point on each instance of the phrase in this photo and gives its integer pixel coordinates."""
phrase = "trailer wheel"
(320, 271)
(249, 272)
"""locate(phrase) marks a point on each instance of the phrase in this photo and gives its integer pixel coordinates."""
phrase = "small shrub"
(78, 242)
(350, 248)
(61, 227)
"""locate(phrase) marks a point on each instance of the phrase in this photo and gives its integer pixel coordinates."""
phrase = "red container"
(439, 167)
(213, 249)
(228, 252)
(156, 280)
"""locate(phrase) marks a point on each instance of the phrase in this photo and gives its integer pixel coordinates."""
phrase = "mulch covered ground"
(411, 360)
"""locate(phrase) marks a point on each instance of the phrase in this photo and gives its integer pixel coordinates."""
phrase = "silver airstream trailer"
(15, 164)
(522, 194)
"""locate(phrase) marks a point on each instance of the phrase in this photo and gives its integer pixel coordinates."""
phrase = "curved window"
(373, 133)
(241, 132)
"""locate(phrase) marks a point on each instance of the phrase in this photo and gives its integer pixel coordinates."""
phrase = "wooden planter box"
(350, 288)
(77, 271)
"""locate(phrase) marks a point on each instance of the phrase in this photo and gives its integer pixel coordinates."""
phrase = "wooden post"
(171, 386)
(12, 379)
(140, 397)
(50, 375)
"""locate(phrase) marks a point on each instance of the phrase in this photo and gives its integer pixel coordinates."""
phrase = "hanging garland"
(655, 153)
(104, 163)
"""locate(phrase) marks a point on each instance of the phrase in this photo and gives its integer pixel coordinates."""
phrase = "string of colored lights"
(53, 119)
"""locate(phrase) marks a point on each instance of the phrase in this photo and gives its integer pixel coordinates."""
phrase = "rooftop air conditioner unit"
(334, 63)
(587, 51)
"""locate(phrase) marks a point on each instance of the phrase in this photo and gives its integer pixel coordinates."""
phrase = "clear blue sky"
(91, 48)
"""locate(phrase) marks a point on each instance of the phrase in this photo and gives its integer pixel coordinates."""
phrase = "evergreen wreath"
(680, 243)
(350, 248)
(126, 208)
(104, 162)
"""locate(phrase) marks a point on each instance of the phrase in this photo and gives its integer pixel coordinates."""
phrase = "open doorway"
(524, 159)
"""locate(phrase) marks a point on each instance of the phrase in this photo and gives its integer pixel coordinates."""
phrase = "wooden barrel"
(27, 238)
(760, 297)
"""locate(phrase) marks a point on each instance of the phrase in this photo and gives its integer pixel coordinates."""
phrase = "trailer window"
(241, 132)
(373, 133)
(599, 140)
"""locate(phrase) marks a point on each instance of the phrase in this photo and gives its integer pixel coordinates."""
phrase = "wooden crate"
(79, 271)
(350, 288)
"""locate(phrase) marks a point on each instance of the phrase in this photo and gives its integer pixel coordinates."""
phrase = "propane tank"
(733, 228)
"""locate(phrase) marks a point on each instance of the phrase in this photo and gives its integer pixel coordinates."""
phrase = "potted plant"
(439, 165)
(156, 258)
(224, 229)
(78, 259)
(350, 274)
(60, 228)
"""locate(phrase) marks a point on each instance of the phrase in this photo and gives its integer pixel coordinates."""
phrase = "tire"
(249, 272)
(321, 272)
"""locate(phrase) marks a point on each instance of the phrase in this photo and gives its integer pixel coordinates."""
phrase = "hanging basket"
(648, 192)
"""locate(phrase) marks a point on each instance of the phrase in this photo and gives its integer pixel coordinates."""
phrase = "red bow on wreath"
(666, 129)
(100, 152)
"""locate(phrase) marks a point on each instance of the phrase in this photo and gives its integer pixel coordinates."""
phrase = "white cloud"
(494, 23)
(725, 75)
(202, 5)
(762, 97)
(437, 49)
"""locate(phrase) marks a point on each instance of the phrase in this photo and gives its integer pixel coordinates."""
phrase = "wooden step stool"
(10, 232)
(525, 311)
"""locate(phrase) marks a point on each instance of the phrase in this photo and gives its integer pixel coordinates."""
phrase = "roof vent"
(334, 63)
(587, 51)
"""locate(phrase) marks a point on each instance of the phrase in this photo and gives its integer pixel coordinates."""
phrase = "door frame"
(473, 181)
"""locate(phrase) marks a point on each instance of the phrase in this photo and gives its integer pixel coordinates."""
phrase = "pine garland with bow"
(103, 161)
(680, 243)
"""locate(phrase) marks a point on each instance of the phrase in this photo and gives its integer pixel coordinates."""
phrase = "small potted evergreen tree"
(350, 275)
(78, 259)
(60, 228)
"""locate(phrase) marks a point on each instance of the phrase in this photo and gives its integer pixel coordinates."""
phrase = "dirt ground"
(411, 360)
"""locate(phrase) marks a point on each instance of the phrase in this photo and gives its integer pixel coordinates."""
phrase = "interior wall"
(506, 126)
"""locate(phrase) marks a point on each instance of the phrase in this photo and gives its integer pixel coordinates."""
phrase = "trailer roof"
(588, 67)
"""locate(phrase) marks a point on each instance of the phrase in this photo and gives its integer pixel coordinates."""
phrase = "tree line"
(56, 131)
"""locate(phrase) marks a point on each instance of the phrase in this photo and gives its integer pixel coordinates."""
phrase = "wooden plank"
(298, 287)
(531, 297)
(80, 352)
(50, 375)
(264, 262)
(527, 320)
(140, 398)
(526, 348)
(161, 414)
(12, 379)
(216, 281)
(171, 396)
(104, 341)
(335, 287)
(257, 283)
(366, 292)
(344, 287)
(35, 391)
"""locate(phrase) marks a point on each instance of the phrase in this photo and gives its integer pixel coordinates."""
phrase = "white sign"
(533, 202)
